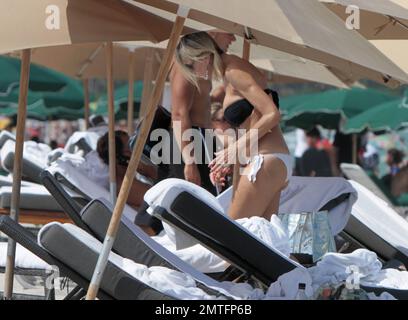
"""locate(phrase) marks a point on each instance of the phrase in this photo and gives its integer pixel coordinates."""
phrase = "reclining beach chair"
(5, 136)
(26, 239)
(27, 265)
(77, 185)
(82, 141)
(76, 260)
(37, 206)
(131, 242)
(172, 202)
(377, 226)
(32, 165)
(370, 181)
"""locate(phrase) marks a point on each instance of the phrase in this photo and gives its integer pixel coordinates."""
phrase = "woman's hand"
(219, 177)
(224, 158)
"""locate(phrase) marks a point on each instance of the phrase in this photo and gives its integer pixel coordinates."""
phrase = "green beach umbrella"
(330, 108)
(39, 111)
(120, 102)
(391, 115)
(41, 78)
(70, 96)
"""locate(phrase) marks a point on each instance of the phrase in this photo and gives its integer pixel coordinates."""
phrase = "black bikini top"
(236, 113)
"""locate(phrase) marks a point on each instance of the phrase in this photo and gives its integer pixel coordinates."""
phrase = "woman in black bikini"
(247, 105)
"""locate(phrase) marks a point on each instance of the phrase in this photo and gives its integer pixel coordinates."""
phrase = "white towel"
(273, 233)
(287, 285)
(388, 278)
(333, 266)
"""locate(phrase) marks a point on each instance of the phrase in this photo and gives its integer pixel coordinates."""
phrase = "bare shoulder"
(233, 61)
(238, 71)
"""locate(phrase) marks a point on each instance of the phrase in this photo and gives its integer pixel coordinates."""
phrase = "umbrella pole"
(136, 153)
(111, 122)
(131, 92)
(17, 168)
(147, 82)
(85, 83)
(246, 51)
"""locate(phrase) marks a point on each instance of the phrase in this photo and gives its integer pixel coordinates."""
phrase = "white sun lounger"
(356, 173)
(34, 159)
(79, 185)
(27, 264)
(5, 136)
(31, 198)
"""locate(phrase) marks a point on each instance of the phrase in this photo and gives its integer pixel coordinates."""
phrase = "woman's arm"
(238, 74)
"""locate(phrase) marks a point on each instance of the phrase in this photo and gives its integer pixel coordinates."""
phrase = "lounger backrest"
(31, 170)
(95, 217)
(83, 146)
(70, 207)
(5, 136)
(131, 241)
(356, 173)
(372, 241)
(225, 237)
(78, 183)
(79, 256)
(15, 231)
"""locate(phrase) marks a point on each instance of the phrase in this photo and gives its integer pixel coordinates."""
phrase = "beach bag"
(309, 233)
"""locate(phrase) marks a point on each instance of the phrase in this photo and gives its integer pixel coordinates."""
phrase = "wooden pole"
(131, 93)
(147, 82)
(85, 83)
(111, 122)
(136, 154)
(17, 168)
(246, 52)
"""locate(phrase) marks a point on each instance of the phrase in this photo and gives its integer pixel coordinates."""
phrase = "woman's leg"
(259, 198)
(273, 207)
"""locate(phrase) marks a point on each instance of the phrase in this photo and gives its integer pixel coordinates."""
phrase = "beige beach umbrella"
(41, 23)
(304, 28)
(395, 50)
(44, 23)
(374, 19)
(297, 72)
(282, 67)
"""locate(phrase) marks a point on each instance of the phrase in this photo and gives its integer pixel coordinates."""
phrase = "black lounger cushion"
(61, 244)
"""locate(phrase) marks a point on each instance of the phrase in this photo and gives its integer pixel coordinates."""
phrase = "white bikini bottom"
(256, 164)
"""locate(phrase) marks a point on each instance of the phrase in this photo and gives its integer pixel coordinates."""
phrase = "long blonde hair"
(195, 47)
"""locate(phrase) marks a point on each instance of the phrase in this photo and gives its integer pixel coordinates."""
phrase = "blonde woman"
(248, 104)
